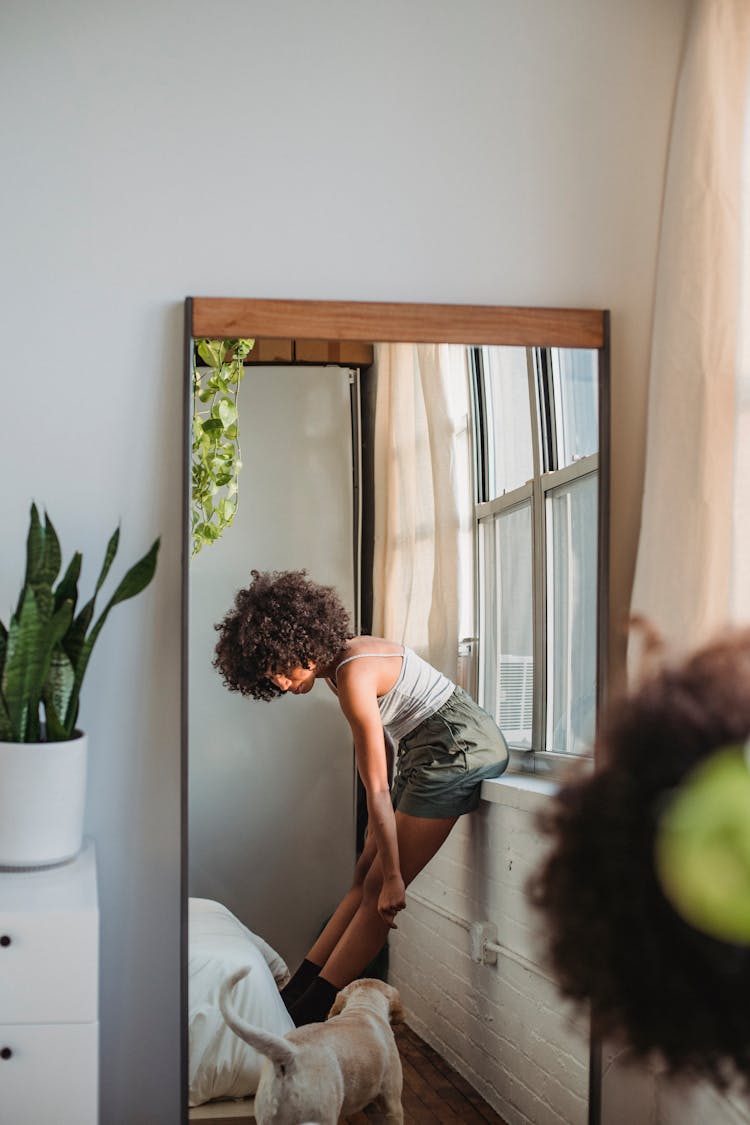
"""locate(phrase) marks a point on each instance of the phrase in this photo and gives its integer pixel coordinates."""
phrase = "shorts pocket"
(452, 743)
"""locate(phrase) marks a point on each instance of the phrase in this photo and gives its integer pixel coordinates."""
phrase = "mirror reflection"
(449, 494)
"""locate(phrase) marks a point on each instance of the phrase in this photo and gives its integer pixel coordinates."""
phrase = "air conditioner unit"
(515, 698)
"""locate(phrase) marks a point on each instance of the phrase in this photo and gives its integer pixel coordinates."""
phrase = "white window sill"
(519, 791)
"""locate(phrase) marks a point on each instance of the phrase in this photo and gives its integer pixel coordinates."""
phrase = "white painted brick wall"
(502, 1026)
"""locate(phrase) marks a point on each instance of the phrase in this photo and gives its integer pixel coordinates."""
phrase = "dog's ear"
(338, 1004)
(396, 1009)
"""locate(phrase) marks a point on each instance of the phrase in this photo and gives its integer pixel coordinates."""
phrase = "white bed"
(221, 1065)
(239, 1112)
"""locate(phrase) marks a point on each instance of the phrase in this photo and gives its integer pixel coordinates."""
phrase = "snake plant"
(45, 651)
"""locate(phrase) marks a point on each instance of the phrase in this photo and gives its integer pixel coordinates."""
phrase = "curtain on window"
(688, 548)
(416, 571)
(740, 593)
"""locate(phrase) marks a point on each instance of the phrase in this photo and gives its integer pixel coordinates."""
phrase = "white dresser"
(49, 979)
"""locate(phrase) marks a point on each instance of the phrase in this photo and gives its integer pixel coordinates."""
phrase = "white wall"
(487, 151)
(264, 776)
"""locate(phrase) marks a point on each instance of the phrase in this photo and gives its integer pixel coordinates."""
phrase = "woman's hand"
(392, 899)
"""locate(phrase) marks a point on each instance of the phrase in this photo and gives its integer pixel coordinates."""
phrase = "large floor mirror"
(345, 416)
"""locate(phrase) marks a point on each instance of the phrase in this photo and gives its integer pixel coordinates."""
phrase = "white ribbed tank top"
(417, 693)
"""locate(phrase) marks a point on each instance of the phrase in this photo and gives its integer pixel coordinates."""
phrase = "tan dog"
(323, 1070)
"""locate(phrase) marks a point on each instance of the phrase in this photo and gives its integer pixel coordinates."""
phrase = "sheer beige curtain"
(740, 593)
(688, 549)
(416, 572)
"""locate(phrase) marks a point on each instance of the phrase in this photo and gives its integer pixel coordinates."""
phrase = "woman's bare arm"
(357, 691)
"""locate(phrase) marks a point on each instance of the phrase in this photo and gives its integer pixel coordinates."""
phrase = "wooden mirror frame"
(226, 317)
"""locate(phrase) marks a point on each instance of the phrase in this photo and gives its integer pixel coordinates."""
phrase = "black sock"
(314, 1004)
(299, 983)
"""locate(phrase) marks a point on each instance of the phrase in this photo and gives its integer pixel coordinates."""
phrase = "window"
(535, 426)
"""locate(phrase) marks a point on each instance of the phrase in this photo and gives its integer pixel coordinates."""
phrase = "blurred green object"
(702, 849)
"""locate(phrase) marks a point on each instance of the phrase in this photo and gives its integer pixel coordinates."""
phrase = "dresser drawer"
(50, 1074)
(49, 966)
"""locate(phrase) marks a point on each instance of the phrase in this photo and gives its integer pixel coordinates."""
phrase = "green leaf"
(227, 508)
(109, 556)
(227, 412)
(6, 727)
(136, 580)
(54, 729)
(52, 557)
(31, 639)
(56, 694)
(22, 674)
(243, 347)
(34, 552)
(34, 545)
(76, 635)
(212, 352)
(67, 588)
(207, 532)
(213, 426)
(43, 558)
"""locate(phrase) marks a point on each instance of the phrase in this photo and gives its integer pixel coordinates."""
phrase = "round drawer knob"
(6, 1053)
(4, 940)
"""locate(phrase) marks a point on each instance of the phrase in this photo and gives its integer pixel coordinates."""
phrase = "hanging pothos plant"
(216, 446)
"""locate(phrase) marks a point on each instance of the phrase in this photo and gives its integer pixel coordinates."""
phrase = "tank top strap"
(362, 655)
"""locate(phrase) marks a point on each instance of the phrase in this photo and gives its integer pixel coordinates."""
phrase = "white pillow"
(221, 1064)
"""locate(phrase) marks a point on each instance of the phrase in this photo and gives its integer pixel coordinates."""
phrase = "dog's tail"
(280, 1051)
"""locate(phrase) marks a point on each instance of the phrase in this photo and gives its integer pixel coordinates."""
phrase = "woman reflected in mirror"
(284, 633)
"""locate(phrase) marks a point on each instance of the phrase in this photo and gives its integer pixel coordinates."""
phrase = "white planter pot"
(42, 799)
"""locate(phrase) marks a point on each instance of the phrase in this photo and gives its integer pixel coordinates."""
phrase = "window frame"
(546, 479)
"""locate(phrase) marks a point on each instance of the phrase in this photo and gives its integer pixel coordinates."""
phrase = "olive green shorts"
(442, 763)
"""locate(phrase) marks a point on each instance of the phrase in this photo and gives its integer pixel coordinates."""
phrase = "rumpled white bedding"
(221, 1065)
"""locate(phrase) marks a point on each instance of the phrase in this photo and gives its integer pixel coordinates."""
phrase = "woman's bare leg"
(418, 841)
(327, 940)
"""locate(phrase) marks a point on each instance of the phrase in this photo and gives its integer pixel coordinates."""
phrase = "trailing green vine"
(216, 445)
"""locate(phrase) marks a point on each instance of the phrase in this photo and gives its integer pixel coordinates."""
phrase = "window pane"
(574, 375)
(571, 620)
(506, 386)
(506, 631)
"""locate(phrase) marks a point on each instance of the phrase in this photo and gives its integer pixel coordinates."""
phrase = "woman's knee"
(361, 870)
(372, 885)
(365, 862)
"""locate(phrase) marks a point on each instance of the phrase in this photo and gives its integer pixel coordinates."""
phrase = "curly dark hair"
(652, 980)
(282, 620)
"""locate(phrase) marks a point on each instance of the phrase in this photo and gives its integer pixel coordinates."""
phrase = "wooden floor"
(434, 1094)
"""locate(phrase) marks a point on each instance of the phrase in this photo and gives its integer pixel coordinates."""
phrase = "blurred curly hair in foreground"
(654, 982)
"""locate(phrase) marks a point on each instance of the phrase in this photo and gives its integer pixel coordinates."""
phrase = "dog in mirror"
(321, 1071)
